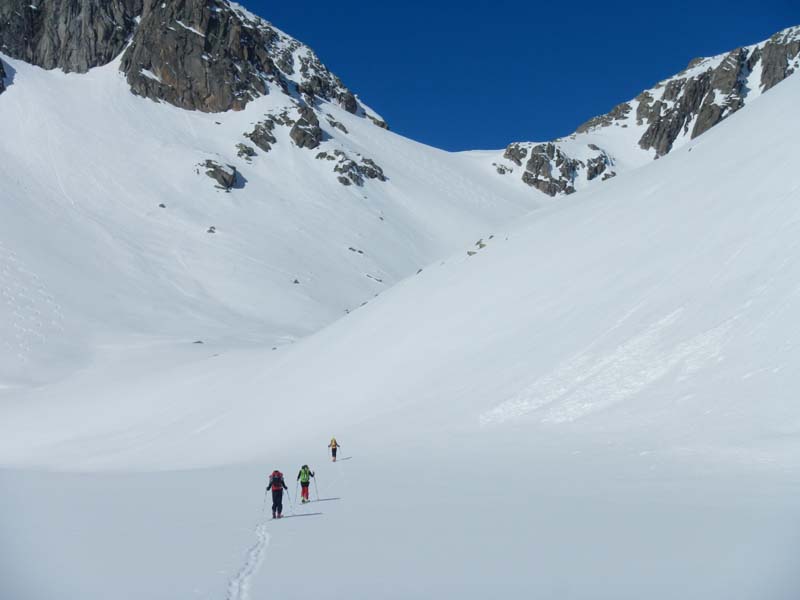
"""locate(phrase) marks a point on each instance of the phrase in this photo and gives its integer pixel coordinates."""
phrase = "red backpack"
(277, 480)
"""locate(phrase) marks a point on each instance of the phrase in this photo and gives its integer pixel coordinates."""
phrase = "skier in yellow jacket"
(334, 445)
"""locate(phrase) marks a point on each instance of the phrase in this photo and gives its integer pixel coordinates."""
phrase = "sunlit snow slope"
(106, 211)
(600, 403)
(664, 302)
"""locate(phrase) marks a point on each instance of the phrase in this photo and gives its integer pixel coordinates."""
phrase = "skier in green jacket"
(304, 477)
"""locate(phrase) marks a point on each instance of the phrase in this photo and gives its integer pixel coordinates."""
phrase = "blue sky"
(469, 74)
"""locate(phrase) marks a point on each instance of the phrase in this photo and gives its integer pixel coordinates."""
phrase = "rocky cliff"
(674, 111)
(73, 35)
(208, 55)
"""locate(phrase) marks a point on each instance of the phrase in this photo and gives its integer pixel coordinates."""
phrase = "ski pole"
(296, 485)
(316, 489)
(264, 506)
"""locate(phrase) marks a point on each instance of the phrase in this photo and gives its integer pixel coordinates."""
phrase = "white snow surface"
(89, 258)
(600, 402)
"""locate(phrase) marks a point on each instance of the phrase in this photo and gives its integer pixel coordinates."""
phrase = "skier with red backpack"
(277, 485)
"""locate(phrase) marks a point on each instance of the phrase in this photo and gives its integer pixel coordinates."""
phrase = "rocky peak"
(675, 110)
(207, 55)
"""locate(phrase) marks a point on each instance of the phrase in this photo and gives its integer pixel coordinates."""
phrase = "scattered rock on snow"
(262, 135)
(354, 172)
(246, 152)
(380, 123)
(337, 125)
(224, 175)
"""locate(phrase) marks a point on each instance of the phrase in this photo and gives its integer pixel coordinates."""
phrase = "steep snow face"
(125, 220)
(658, 120)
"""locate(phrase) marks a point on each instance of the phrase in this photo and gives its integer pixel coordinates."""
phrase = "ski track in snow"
(239, 586)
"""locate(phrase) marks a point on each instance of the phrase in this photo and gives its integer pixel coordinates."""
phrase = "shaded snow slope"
(89, 257)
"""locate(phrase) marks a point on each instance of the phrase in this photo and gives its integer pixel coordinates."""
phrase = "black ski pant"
(277, 501)
(333, 452)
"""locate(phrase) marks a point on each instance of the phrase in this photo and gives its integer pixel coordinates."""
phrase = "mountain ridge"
(675, 110)
(207, 55)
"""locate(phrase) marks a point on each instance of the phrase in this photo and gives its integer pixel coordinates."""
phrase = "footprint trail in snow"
(239, 586)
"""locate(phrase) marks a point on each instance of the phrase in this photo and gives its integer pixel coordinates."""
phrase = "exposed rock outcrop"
(226, 176)
(336, 124)
(208, 55)
(676, 110)
(262, 135)
(73, 35)
(779, 57)
(707, 97)
(550, 170)
(306, 132)
(199, 54)
(379, 122)
(516, 153)
(618, 113)
(2, 78)
(246, 152)
(351, 172)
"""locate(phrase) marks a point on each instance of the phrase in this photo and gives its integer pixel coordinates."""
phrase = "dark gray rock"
(306, 132)
(199, 55)
(778, 51)
(667, 122)
(619, 112)
(337, 125)
(2, 78)
(516, 153)
(371, 170)
(246, 152)
(73, 35)
(380, 123)
(262, 135)
(356, 173)
(714, 94)
(225, 175)
(550, 170)
(206, 55)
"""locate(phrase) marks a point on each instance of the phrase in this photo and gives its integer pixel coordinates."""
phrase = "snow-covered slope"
(593, 401)
(663, 296)
(598, 403)
(107, 214)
